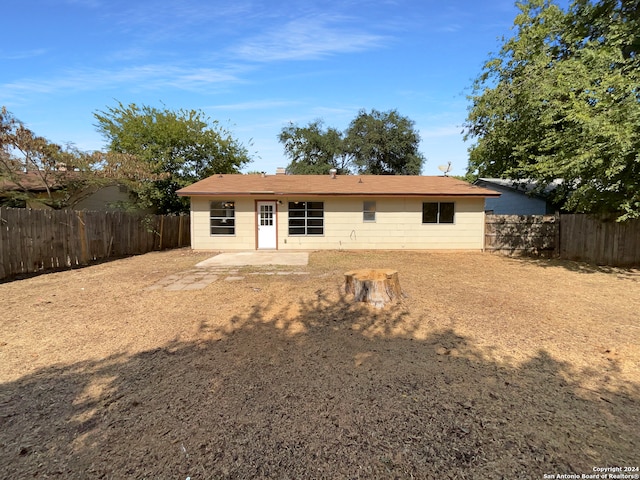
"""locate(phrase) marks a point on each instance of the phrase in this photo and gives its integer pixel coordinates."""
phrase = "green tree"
(376, 143)
(384, 143)
(176, 147)
(314, 150)
(561, 100)
(29, 162)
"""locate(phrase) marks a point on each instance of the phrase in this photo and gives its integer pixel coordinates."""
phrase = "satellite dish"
(445, 168)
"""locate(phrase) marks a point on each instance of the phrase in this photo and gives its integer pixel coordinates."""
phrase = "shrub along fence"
(587, 238)
(35, 240)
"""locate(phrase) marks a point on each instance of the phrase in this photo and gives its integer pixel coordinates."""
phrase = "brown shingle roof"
(31, 181)
(324, 185)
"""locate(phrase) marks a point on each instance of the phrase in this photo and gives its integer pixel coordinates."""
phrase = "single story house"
(312, 212)
(519, 197)
(100, 197)
(103, 198)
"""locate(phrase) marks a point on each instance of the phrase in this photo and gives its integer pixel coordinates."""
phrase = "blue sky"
(253, 65)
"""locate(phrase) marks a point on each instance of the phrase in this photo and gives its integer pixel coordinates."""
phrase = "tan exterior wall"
(105, 198)
(398, 225)
(245, 237)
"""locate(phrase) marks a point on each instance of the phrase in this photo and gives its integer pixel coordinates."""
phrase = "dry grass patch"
(490, 368)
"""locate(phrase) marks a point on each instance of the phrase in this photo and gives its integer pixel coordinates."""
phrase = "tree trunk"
(376, 287)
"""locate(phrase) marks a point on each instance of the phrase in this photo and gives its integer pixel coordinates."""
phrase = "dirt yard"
(491, 367)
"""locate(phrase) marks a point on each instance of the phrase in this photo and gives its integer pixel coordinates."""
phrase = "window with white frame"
(369, 211)
(223, 218)
(306, 218)
(438, 212)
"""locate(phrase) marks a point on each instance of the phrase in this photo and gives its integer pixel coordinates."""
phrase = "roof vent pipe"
(333, 172)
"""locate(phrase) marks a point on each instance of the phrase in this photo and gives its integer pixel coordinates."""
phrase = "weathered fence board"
(586, 238)
(521, 234)
(35, 240)
(605, 242)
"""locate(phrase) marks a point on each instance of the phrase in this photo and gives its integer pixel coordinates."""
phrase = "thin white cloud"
(336, 111)
(195, 79)
(128, 54)
(141, 78)
(183, 14)
(438, 132)
(22, 55)
(307, 38)
(256, 105)
(85, 3)
(449, 28)
(183, 20)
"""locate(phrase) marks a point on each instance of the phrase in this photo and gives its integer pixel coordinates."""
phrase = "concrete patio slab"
(223, 266)
(256, 258)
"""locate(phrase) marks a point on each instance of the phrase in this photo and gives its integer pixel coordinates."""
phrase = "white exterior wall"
(398, 225)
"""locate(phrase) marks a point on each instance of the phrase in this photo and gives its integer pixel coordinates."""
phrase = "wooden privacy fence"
(521, 234)
(604, 242)
(34, 240)
(586, 238)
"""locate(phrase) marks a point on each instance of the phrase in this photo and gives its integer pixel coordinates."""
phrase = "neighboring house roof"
(339, 185)
(519, 197)
(31, 181)
(527, 186)
(102, 196)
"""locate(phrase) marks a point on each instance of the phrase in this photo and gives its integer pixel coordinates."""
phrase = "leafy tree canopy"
(314, 149)
(561, 100)
(376, 143)
(177, 147)
(384, 143)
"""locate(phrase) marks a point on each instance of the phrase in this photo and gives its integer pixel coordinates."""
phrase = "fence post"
(5, 269)
(558, 235)
(484, 231)
(82, 231)
(161, 231)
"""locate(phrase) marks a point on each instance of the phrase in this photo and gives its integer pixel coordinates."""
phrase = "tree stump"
(376, 287)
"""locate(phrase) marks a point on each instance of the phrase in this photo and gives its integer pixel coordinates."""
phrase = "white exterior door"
(266, 225)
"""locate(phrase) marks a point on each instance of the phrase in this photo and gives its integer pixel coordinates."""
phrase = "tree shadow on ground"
(581, 267)
(321, 389)
(41, 270)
